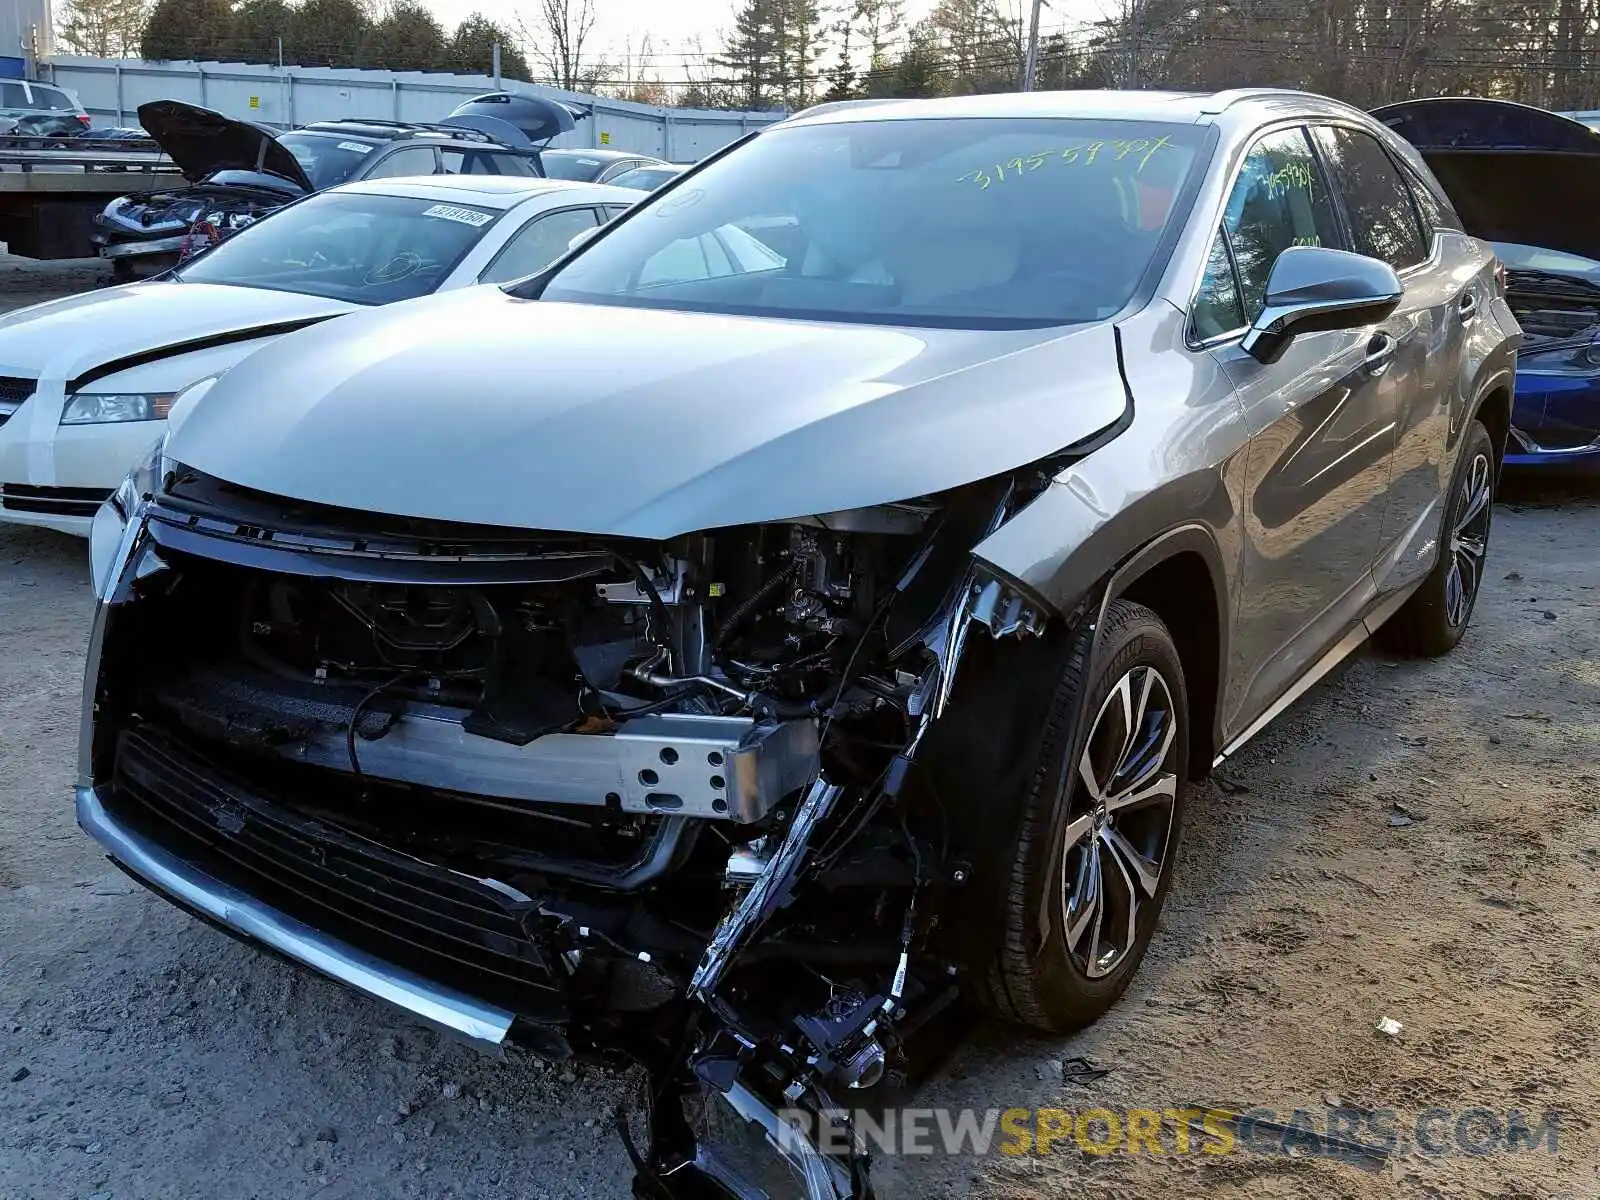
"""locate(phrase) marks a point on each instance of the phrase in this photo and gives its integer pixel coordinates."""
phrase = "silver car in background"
(810, 619)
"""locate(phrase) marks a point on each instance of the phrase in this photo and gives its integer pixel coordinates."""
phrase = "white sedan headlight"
(105, 408)
(119, 517)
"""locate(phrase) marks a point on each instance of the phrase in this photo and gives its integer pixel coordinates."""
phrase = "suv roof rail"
(828, 106)
(430, 127)
(1220, 101)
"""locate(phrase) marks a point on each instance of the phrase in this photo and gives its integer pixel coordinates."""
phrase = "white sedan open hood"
(66, 338)
(478, 407)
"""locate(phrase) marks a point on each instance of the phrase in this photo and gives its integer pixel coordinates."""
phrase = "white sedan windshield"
(975, 222)
(347, 246)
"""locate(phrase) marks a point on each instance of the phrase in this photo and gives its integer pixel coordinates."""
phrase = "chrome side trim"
(483, 1024)
(1341, 650)
(1529, 446)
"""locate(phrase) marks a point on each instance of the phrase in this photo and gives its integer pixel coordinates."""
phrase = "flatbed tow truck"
(51, 188)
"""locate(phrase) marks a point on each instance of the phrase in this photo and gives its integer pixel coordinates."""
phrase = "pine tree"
(982, 46)
(407, 38)
(257, 27)
(879, 23)
(328, 33)
(178, 29)
(751, 54)
(472, 49)
(920, 68)
(842, 79)
(803, 35)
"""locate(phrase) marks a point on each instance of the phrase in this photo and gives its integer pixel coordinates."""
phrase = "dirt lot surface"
(1419, 841)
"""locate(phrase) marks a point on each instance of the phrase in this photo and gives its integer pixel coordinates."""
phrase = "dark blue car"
(1529, 181)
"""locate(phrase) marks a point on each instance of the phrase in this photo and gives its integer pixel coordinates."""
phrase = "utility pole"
(1030, 64)
(1136, 12)
(497, 66)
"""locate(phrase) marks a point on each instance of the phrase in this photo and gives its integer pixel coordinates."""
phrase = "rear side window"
(1280, 200)
(1377, 199)
(13, 95)
(51, 98)
(1435, 213)
(485, 162)
(577, 167)
(413, 160)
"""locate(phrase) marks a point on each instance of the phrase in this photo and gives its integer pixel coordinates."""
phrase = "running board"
(1341, 650)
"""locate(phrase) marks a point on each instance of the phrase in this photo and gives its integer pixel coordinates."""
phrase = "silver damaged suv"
(800, 611)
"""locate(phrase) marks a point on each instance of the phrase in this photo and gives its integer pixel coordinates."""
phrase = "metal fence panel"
(112, 90)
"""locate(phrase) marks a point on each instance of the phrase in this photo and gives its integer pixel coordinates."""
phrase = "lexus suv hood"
(66, 338)
(1514, 173)
(200, 141)
(482, 408)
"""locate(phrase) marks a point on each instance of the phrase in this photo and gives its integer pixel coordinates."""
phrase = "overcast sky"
(673, 25)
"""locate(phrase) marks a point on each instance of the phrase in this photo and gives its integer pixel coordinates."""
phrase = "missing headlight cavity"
(659, 799)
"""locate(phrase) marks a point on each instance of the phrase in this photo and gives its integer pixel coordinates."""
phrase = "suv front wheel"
(1100, 827)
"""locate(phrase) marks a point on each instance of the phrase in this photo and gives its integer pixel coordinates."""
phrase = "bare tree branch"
(564, 27)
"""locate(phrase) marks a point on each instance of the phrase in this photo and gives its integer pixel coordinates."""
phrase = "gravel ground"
(144, 1055)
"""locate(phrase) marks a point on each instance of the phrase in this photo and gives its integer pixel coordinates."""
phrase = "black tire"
(1035, 978)
(1433, 620)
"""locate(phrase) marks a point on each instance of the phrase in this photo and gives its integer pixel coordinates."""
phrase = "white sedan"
(86, 382)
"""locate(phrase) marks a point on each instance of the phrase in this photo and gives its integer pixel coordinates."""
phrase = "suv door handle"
(1380, 353)
(1467, 306)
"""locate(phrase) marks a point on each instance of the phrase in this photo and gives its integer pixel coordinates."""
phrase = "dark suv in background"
(32, 109)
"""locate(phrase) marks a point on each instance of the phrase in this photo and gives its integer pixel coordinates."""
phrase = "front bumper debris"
(801, 974)
(127, 250)
(451, 1011)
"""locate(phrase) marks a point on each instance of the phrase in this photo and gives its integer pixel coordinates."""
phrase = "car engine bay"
(222, 208)
(1554, 309)
(657, 799)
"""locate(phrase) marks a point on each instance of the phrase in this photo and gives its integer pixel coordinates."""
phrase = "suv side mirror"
(1313, 288)
(582, 236)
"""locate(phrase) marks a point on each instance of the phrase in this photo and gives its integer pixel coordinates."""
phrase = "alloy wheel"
(1469, 542)
(1121, 820)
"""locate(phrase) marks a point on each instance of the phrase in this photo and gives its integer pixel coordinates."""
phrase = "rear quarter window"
(1435, 211)
(51, 98)
(1377, 199)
